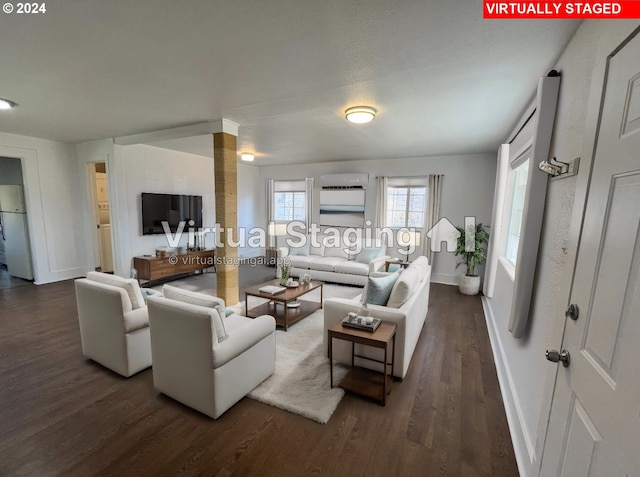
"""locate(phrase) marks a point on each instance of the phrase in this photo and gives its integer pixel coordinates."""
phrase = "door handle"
(572, 312)
(554, 356)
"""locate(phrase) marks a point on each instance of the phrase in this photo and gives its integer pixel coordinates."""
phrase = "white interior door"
(594, 427)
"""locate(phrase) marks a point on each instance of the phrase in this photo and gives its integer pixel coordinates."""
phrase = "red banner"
(519, 9)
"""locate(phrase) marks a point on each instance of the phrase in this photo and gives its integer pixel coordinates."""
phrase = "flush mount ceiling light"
(360, 114)
(247, 157)
(7, 104)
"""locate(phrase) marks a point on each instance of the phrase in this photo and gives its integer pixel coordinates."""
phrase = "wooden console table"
(150, 268)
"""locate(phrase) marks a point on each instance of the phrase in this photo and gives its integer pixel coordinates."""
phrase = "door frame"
(93, 252)
(592, 121)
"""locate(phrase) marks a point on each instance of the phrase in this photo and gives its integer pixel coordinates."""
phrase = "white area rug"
(300, 383)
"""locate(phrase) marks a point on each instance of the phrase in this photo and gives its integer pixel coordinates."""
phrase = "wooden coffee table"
(279, 306)
(364, 381)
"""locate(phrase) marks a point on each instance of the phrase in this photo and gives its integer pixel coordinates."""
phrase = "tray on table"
(358, 323)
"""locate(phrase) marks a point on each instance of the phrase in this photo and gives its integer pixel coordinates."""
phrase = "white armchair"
(114, 325)
(192, 365)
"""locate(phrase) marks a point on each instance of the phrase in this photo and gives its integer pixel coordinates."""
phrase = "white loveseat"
(407, 308)
(114, 324)
(338, 264)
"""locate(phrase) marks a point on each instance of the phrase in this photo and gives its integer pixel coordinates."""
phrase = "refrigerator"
(14, 232)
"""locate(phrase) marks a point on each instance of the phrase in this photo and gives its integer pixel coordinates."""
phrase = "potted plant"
(284, 274)
(472, 251)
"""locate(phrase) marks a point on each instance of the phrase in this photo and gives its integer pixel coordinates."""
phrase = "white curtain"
(381, 204)
(433, 209)
(493, 249)
(269, 206)
(308, 192)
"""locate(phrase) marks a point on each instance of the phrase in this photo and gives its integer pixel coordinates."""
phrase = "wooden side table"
(401, 263)
(364, 381)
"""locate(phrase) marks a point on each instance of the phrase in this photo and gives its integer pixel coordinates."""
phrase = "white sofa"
(114, 324)
(407, 308)
(204, 360)
(338, 264)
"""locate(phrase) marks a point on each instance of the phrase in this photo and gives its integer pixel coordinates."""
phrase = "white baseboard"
(524, 451)
(444, 278)
(59, 275)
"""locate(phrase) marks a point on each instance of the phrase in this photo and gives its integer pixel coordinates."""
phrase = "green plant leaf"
(477, 255)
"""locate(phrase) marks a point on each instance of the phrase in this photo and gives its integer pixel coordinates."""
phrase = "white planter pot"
(469, 285)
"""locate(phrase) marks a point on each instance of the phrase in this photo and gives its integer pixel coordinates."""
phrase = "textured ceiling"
(444, 80)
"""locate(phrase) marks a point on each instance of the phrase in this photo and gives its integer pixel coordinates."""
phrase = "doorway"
(98, 184)
(15, 253)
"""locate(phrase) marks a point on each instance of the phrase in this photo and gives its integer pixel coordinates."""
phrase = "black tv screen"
(158, 208)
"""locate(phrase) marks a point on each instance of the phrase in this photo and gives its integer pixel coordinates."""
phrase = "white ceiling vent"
(344, 181)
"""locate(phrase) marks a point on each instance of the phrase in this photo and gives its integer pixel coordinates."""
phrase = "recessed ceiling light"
(360, 114)
(247, 157)
(6, 104)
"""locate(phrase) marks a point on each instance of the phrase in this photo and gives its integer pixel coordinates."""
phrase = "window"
(519, 210)
(406, 206)
(520, 175)
(289, 206)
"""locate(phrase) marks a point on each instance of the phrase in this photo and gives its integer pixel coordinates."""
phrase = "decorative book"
(272, 289)
(359, 323)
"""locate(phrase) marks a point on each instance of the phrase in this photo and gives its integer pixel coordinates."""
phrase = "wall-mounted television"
(157, 208)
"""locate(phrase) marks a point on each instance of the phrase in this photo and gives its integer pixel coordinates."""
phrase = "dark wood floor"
(7, 281)
(61, 415)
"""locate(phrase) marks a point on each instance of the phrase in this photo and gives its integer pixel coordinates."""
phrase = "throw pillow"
(379, 289)
(228, 312)
(340, 251)
(147, 292)
(319, 250)
(404, 288)
(217, 325)
(130, 285)
(194, 298)
(301, 250)
(368, 254)
(200, 299)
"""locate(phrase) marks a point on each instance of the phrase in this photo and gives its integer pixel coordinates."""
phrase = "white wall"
(467, 189)
(86, 153)
(141, 168)
(249, 204)
(526, 378)
(10, 171)
(50, 184)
